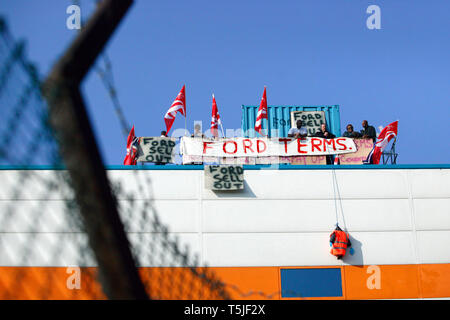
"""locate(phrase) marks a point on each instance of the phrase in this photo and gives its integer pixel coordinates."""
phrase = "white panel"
(370, 184)
(273, 184)
(382, 248)
(34, 185)
(137, 216)
(267, 249)
(38, 216)
(432, 214)
(305, 249)
(44, 249)
(157, 184)
(430, 183)
(282, 218)
(304, 215)
(318, 184)
(70, 249)
(376, 215)
(434, 246)
(157, 250)
(176, 215)
(268, 215)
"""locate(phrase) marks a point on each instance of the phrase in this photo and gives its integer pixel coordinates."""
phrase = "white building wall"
(281, 218)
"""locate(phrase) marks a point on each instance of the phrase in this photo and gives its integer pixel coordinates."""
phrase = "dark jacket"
(353, 134)
(370, 132)
(320, 134)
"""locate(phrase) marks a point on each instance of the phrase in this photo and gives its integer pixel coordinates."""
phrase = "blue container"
(279, 118)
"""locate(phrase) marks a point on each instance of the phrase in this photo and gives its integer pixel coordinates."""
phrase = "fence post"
(69, 119)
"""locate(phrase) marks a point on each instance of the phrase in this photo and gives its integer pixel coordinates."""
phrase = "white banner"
(265, 147)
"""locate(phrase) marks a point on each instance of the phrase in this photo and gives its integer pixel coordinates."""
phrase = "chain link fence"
(45, 252)
(40, 227)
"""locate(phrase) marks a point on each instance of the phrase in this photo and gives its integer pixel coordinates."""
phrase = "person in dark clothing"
(324, 133)
(368, 131)
(163, 134)
(350, 133)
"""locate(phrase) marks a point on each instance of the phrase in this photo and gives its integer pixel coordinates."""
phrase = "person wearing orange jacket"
(339, 241)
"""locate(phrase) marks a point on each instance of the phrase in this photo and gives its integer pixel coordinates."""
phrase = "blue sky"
(306, 53)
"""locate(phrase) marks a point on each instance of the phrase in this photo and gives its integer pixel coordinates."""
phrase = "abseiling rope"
(336, 191)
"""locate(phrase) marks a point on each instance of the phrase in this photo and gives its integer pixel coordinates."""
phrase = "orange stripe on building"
(241, 283)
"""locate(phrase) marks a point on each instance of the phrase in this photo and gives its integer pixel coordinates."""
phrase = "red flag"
(132, 141)
(178, 105)
(262, 113)
(215, 118)
(386, 135)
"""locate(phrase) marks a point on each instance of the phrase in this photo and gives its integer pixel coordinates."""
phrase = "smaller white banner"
(156, 149)
(224, 177)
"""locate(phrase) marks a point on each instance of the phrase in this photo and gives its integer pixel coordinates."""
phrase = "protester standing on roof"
(324, 133)
(197, 134)
(368, 131)
(163, 135)
(197, 131)
(350, 133)
(299, 131)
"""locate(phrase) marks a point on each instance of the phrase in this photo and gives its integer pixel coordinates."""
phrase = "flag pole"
(185, 114)
(221, 127)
